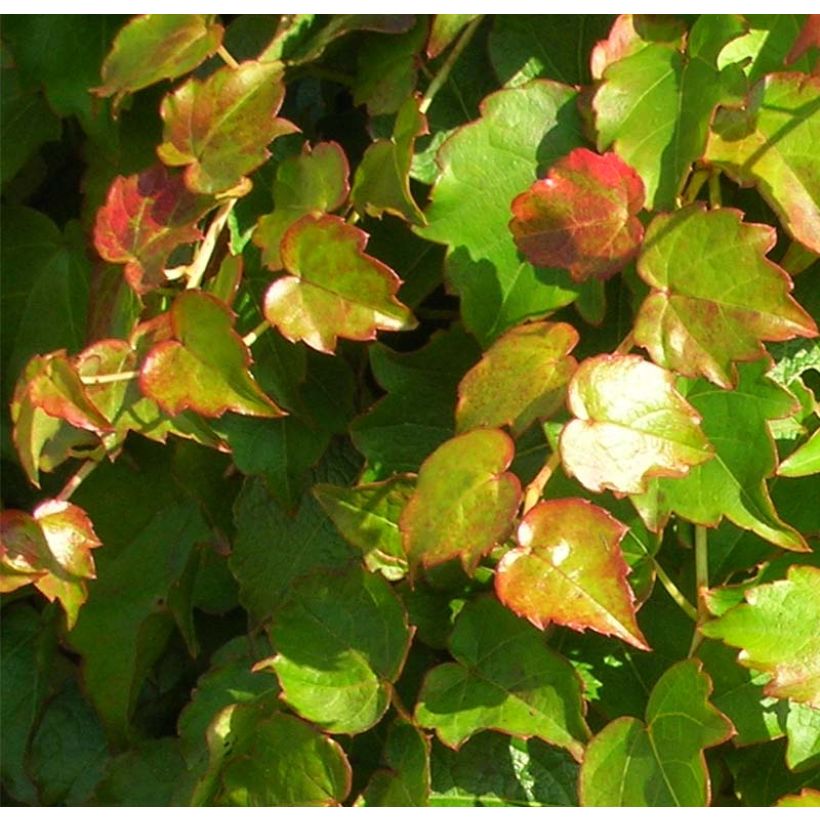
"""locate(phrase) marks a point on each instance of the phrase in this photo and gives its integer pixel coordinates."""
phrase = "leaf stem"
(797, 258)
(696, 182)
(197, 268)
(74, 482)
(535, 489)
(627, 344)
(250, 338)
(107, 378)
(702, 583)
(227, 57)
(447, 66)
(715, 198)
(674, 593)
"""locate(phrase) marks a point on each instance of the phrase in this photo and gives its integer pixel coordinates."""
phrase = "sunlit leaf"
(807, 798)
(803, 732)
(803, 461)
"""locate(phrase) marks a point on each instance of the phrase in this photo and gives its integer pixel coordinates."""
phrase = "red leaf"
(582, 216)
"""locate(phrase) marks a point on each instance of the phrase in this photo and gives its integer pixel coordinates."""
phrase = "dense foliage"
(408, 410)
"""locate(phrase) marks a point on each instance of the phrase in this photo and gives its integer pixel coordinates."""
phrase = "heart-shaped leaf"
(204, 366)
(715, 294)
(631, 425)
(220, 128)
(464, 501)
(521, 378)
(569, 570)
(581, 216)
(334, 288)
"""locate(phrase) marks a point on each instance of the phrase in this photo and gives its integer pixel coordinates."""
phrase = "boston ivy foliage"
(410, 410)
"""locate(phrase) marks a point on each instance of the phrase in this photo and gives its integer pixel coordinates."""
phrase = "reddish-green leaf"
(771, 144)
(778, 631)
(715, 294)
(569, 570)
(521, 378)
(220, 127)
(204, 366)
(581, 216)
(464, 501)
(145, 218)
(334, 288)
(315, 181)
(807, 798)
(156, 47)
(631, 425)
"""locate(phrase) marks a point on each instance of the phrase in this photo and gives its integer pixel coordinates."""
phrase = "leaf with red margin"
(335, 289)
(205, 366)
(445, 29)
(314, 181)
(569, 570)
(464, 501)
(806, 799)
(581, 216)
(521, 378)
(145, 218)
(156, 47)
(660, 762)
(631, 424)
(52, 550)
(220, 127)
(809, 38)
(715, 294)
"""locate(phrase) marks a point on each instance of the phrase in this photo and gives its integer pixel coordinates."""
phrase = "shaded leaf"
(219, 128)
(778, 630)
(505, 679)
(631, 424)
(805, 460)
(581, 216)
(715, 294)
(334, 288)
(464, 501)
(661, 762)
(445, 29)
(569, 569)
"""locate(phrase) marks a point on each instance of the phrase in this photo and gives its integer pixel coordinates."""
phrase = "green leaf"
(204, 366)
(156, 47)
(778, 629)
(445, 29)
(313, 181)
(334, 288)
(219, 128)
(803, 731)
(521, 378)
(569, 570)
(505, 679)
(769, 144)
(483, 166)
(674, 87)
(464, 501)
(661, 762)
(733, 483)
(806, 799)
(346, 635)
(631, 424)
(805, 460)
(368, 518)
(715, 294)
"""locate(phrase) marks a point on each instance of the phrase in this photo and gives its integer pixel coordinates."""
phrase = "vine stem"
(227, 57)
(447, 66)
(197, 268)
(250, 338)
(715, 198)
(627, 344)
(693, 187)
(74, 482)
(535, 489)
(702, 583)
(107, 378)
(674, 593)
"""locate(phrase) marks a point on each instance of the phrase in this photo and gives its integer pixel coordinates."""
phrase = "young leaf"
(464, 501)
(778, 631)
(505, 679)
(219, 128)
(661, 762)
(313, 181)
(715, 294)
(334, 288)
(343, 634)
(156, 47)
(582, 216)
(145, 218)
(204, 366)
(631, 425)
(770, 144)
(521, 378)
(569, 569)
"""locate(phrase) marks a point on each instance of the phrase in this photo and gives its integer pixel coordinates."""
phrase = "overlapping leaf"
(581, 216)
(521, 378)
(803, 732)
(505, 679)
(715, 294)
(770, 144)
(807, 798)
(778, 631)
(803, 461)
(464, 500)
(568, 569)
(445, 29)
(631, 424)
(334, 288)
(219, 128)
(661, 762)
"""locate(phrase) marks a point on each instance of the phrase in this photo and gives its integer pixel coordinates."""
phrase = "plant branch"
(197, 268)
(108, 378)
(250, 338)
(702, 583)
(227, 57)
(535, 489)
